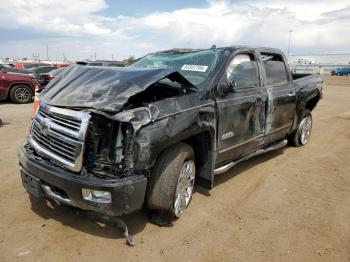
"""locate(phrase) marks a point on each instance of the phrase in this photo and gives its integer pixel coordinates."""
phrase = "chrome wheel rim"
(305, 129)
(184, 187)
(22, 94)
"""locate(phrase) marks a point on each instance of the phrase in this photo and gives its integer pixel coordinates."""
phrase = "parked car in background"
(9, 68)
(42, 70)
(45, 78)
(341, 71)
(62, 64)
(30, 65)
(102, 63)
(19, 88)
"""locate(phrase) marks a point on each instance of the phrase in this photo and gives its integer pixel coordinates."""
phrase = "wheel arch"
(203, 147)
(305, 102)
(312, 102)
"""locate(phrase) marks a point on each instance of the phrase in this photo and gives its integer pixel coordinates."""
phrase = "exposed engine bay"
(105, 147)
(156, 92)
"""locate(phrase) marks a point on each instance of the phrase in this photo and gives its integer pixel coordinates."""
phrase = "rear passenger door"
(281, 97)
(241, 112)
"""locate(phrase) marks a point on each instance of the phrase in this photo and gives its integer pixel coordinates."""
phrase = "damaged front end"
(76, 147)
(110, 141)
(88, 119)
(87, 143)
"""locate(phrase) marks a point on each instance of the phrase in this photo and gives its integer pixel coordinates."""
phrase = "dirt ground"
(289, 205)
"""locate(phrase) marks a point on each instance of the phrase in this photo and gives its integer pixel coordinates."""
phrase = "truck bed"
(305, 80)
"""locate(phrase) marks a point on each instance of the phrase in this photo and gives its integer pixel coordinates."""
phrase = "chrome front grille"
(70, 123)
(59, 134)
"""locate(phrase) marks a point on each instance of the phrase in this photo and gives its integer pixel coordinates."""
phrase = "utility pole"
(290, 36)
(47, 52)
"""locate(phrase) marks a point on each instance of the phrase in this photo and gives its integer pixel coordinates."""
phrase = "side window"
(275, 69)
(243, 69)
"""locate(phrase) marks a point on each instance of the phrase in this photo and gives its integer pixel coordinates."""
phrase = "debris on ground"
(117, 221)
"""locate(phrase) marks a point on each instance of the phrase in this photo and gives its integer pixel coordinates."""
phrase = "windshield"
(194, 66)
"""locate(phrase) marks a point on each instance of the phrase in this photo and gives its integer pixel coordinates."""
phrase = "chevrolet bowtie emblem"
(44, 127)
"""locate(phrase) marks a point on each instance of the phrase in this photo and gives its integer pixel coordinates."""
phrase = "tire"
(301, 136)
(171, 184)
(21, 94)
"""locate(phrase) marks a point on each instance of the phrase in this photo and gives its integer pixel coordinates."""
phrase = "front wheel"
(171, 183)
(301, 136)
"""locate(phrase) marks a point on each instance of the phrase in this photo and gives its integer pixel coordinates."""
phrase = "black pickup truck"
(112, 140)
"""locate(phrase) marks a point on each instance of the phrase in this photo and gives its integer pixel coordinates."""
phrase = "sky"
(107, 29)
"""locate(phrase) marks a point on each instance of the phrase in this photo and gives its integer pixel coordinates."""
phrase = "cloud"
(252, 23)
(75, 28)
(71, 17)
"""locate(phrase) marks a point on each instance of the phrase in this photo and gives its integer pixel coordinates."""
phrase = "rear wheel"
(21, 94)
(171, 184)
(301, 136)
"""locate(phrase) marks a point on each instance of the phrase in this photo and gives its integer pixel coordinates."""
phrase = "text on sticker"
(197, 68)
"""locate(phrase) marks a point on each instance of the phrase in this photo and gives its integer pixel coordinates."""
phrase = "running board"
(269, 148)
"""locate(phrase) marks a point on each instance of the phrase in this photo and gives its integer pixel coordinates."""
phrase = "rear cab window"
(275, 69)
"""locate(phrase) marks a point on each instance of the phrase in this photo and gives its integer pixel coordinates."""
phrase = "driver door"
(241, 110)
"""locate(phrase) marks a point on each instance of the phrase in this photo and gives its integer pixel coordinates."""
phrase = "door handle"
(291, 94)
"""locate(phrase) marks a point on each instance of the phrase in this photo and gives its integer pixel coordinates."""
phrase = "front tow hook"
(56, 197)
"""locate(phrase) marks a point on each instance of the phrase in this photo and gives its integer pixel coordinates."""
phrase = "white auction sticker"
(197, 68)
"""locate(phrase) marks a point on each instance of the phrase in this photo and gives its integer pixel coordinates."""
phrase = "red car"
(30, 65)
(19, 88)
(60, 65)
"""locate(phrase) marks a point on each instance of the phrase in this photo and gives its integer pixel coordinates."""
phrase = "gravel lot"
(288, 205)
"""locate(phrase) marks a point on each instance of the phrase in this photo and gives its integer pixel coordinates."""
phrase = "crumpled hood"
(103, 88)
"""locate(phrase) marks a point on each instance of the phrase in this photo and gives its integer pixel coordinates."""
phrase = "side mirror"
(230, 87)
(3, 70)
